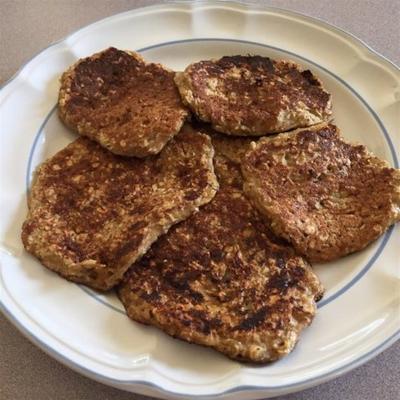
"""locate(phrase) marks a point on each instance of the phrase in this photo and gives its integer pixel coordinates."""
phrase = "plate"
(89, 332)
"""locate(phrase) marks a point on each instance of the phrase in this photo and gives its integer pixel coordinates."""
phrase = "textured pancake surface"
(117, 99)
(92, 213)
(327, 197)
(228, 154)
(221, 279)
(253, 95)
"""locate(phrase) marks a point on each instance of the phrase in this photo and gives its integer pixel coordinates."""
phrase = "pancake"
(114, 97)
(326, 196)
(253, 95)
(221, 279)
(92, 214)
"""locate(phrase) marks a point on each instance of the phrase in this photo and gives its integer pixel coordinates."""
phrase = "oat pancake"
(221, 279)
(92, 213)
(117, 99)
(253, 95)
(324, 195)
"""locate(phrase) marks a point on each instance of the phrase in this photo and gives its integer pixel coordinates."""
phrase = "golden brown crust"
(228, 153)
(327, 197)
(221, 279)
(253, 95)
(117, 99)
(92, 214)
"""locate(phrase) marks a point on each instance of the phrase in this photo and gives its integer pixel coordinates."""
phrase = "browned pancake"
(326, 196)
(92, 214)
(221, 279)
(228, 153)
(117, 99)
(253, 95)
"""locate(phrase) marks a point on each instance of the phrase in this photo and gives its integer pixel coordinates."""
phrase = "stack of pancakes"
(205, 229)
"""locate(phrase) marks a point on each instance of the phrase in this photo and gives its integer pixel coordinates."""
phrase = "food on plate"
(231, 148)
(92, 213)
(253, 95)
(221, 279)
(219, 259)
(326, 196)
(228, 153)
(114, 97)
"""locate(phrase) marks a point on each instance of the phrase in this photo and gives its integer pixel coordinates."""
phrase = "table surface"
(28, 26)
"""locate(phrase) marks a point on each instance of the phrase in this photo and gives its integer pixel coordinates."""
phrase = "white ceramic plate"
(359, 315)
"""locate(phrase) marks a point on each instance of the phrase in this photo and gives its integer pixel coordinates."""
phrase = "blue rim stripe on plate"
(34, 144)
(388, 233)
